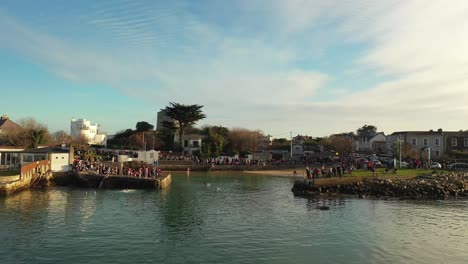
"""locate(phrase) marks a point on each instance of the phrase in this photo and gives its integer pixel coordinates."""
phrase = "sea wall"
(87, 180)
(19, 183)
(230, 167)
(450, 185)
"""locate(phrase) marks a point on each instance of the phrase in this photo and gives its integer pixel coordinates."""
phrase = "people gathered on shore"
(142, 171)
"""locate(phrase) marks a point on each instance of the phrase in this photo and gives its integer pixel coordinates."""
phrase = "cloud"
(263, 70)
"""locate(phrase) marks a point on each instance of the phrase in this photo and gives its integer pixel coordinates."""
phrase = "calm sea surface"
(237, 219)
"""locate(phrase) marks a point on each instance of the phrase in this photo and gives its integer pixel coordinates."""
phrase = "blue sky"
(311, 67)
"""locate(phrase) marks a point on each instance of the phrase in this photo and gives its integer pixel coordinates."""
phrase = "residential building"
(374, 144)
(456, 141)
(421, 141)
(83, 127)
(7, 124)
(191, 143)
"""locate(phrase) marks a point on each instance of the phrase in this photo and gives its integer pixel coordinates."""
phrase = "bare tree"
(61, 137)
(29, 134)
(242, 139)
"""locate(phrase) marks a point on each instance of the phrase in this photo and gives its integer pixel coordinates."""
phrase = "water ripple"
(249, 219)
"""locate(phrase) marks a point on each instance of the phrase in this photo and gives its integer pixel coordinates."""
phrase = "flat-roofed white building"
(83, 127)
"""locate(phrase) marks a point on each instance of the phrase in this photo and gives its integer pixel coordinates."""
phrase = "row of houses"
(438, 142)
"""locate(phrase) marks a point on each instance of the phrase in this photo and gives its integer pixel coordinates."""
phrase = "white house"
(191, 143)
(150, 157)
(60, 158)
(83, 127)
(376, 143)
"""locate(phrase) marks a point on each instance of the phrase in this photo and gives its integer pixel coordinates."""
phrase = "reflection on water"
(233, 219)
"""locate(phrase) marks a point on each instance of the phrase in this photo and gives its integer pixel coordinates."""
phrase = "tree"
(280, 142)
(29, 134)
(244, 140)
(184, 116)
(407, 151)
(367, 131)
(215, 141)
(61, 137)
(143, 126)
(342, 145)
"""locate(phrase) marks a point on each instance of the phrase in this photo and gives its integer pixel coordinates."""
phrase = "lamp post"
(399, 144)
(291, 145)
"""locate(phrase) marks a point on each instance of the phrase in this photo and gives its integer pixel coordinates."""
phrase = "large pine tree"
(183, 116)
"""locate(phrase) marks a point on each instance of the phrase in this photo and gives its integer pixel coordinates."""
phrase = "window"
(27, 158)
(425, 141)
(437, 142)
(465, 142)
(454, 142)
(186, 143)
(437, 154)
(195, 144)
(414, 142)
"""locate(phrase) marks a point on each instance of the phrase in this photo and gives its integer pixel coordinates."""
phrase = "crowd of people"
(142, 171)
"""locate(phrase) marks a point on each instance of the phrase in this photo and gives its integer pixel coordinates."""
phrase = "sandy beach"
(285, 173)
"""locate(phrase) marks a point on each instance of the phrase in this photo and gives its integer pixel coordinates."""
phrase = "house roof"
(6, 123)
(46, 150)
(11, 148)
(418, 132)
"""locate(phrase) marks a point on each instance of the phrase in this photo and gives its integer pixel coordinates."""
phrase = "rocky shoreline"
(444, 186)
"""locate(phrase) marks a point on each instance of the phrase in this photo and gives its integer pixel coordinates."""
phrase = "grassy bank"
(405, 173)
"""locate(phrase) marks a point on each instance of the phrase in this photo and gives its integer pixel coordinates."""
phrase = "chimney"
(4, 117)
(439, 130)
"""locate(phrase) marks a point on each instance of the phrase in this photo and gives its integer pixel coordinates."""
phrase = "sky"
(303, 66)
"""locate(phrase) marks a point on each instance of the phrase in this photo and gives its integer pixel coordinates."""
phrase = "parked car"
(386, 160)
(436, 165)
(402, 165)
(377, 163)
(458, 166)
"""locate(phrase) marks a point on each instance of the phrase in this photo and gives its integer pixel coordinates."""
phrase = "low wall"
(86, 180)
(6, 179)
(230, 167)
(164, 182)
(20, 184)
(30, 173)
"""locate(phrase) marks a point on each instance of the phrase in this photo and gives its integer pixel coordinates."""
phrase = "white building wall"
(59, 162)
(83, 127)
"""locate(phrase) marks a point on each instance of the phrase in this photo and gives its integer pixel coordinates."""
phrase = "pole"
(399, 143)
(291, 144)
(429, 157)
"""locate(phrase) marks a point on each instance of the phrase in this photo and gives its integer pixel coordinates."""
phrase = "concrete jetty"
(91, 180)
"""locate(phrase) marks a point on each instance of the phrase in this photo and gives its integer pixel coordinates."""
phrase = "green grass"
(400, 173)
(8, 173)
(360, 174)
